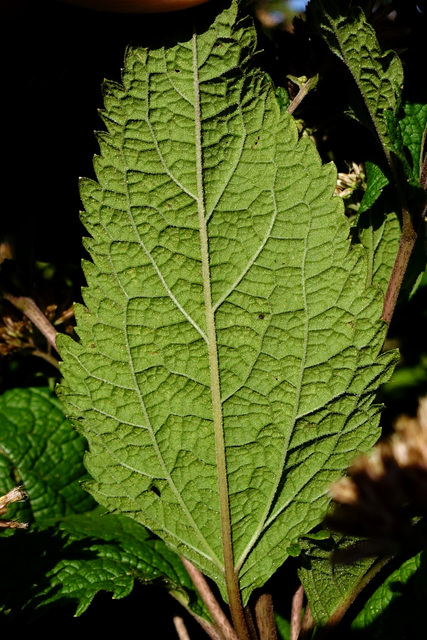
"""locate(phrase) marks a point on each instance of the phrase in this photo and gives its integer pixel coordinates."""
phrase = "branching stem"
(37, 317)
(303, 91)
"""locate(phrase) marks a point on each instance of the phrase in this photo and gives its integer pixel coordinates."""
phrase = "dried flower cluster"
(349, 182)
(385, 492)
(15, 332)
(17, 494)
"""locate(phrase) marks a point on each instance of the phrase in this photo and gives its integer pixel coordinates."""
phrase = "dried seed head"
(385, 490)
(17, 494)
(349, 182)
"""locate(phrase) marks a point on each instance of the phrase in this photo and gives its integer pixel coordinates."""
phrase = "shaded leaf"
(378, 75)
(329, 585)
(376, 181)
(379, 231)
(413, 130)
(103, 552)
(396, 608)
(42, 452)
(69, 553)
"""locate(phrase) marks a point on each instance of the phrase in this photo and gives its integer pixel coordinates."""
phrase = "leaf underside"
(228, 342)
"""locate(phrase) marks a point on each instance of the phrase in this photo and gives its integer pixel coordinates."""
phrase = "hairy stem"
(406, 245)
(410, 228)
(307, 626)
(221, 621)
(46, 356)
(304, 90)
(207, 627)
(180, 628)
(264, 617)
(296, 609)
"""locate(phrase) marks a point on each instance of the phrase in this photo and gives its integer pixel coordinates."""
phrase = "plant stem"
(37, 317)
(207, 627)
(296, 610)
(221, 621)
(304, 89)
(180, 627)
(307, 625)
(46, 356)
(406, 245)
(423, 175)
(264, 616)
(410, 227)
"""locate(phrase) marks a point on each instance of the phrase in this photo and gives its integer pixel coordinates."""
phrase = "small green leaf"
(376, 181)
(283, 627)
(283, 99)
(413, 129)
(293, 550)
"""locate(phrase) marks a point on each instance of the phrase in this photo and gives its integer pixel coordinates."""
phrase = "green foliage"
(215, 239)
(41, 451)
(73, 549)
(413, 129)
(329, 585)
(395, 610)
(229, 347)
(378, 75)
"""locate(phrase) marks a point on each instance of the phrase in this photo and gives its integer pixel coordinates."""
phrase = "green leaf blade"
(43, 453)
(378, 75)
(395, 609)
(229, 347)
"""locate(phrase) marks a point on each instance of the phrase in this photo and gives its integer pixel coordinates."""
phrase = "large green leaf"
(228, 354)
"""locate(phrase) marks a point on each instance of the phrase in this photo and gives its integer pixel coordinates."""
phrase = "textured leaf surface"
(413, 127)
(379, 231)
(68, 553)
(228, 342)
(378, 75)
(376, 181)
(43, 452)
(328, 585)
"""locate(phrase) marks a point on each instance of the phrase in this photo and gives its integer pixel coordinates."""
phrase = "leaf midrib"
(212, 346)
